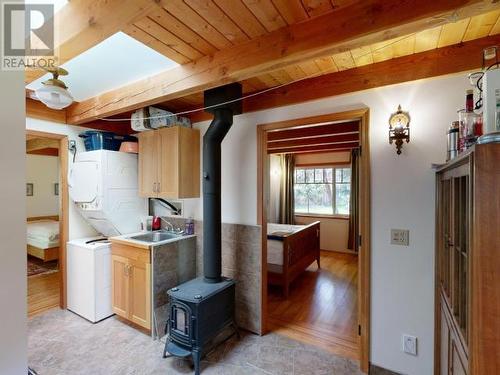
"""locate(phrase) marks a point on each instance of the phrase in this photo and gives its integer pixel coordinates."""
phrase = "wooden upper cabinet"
(148, 168)
(169, 163)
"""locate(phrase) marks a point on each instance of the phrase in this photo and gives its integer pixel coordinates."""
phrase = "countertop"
(124, 239)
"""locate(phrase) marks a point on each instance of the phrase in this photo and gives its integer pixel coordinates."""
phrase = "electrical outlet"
(400, 237)
(410, 344)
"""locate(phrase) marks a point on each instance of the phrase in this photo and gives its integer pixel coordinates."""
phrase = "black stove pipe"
(212, 218)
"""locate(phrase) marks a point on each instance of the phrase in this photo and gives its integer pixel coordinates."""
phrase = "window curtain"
(287, 162)
(352, 242)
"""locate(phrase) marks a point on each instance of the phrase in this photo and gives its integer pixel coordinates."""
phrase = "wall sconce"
(399, 128)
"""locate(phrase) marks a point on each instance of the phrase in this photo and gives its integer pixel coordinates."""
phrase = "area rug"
(37, 266)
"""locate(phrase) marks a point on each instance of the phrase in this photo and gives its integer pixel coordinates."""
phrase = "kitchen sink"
(153, 237)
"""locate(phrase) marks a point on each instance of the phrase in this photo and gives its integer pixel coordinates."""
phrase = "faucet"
(171, 228)
(169, 225)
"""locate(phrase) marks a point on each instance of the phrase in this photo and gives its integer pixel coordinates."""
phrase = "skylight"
(113, 63)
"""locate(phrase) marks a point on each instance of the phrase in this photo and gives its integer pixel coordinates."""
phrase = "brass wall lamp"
(399, 128)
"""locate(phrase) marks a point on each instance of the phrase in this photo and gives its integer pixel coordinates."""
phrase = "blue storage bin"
(100, 140)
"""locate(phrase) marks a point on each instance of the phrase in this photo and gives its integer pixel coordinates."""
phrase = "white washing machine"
(88, 269)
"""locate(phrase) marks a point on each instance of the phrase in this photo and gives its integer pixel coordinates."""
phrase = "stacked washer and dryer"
(103, 185)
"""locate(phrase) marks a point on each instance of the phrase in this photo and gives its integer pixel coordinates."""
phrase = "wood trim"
(364, 258)
(314, 141)
(63, 207)
(38, 110)
(369, 21)
(309, 149)
(364, 272)
(35, 144)
(48, 217)
(310, 129)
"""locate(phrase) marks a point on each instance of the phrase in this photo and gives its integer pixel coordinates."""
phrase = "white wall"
(78, 227)
(402, 197)
(334, 232)
(13, 344)
(43, 172)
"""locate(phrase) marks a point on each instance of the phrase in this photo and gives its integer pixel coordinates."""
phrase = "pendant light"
(54, 92)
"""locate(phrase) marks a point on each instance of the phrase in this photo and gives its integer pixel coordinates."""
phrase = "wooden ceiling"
(41, 146)
(468, 29)
(186, 30)
(340, 136)
(267, 43)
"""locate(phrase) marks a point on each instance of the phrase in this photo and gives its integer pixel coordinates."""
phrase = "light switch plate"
(400, 237)
(410, 344)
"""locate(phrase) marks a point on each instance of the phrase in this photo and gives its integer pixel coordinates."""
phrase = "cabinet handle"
(159, 189)
(154, 187)
(126, 270)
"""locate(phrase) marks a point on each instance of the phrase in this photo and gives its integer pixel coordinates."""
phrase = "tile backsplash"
(241, 261)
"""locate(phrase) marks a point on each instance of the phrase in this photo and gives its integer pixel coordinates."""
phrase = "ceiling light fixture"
(54, 92)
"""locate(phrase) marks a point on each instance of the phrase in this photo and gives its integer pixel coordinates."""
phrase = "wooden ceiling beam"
(314, 141)
(438, 62)
(314, 130)
(82, 24)
(318, 148)
(348, 27)
(40, 144)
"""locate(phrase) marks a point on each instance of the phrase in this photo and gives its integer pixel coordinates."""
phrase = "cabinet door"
(120, 285)
(148, 164)
(189, 163)
(140, 293)
(168, 162)
(444, 342)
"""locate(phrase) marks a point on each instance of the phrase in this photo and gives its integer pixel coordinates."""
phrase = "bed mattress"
(43, 234)
(42, 243)
(275, 235)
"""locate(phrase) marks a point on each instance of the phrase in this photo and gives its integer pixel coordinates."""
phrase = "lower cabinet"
(452, 359)
(131, 284)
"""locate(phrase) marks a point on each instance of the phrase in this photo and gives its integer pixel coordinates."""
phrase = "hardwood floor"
(322, 307)
(43, 293)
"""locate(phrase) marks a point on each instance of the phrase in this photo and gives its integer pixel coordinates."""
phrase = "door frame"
(63, 207)
(364, 258)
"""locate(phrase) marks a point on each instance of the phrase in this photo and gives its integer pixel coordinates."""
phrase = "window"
(324, 191)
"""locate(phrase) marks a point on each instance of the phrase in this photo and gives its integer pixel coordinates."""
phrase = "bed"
(42, 238)
(290, 250)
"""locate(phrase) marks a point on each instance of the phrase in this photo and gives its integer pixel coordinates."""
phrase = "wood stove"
(199, 312)
(203, 308)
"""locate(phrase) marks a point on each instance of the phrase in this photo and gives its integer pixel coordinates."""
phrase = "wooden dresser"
(467, 334)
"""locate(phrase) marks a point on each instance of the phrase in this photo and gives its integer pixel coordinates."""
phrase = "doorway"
(304, 300)
(47, 220)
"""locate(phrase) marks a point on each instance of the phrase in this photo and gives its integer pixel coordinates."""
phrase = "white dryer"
(104, 186)
(88, 269)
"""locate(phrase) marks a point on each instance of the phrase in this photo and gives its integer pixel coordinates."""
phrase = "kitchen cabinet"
(131, 283)
(169, 163)
(467, 263)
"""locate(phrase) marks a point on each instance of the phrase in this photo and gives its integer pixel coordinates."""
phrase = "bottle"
(469, 100)
(189, 226)
(497, 110)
